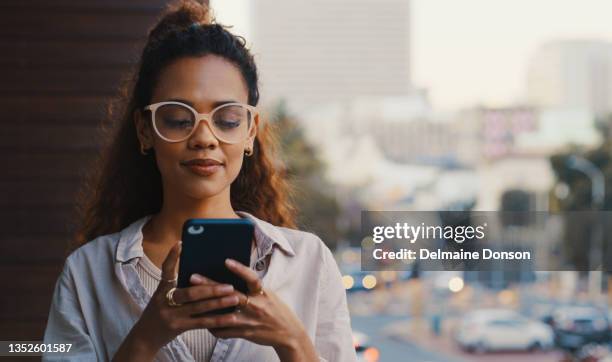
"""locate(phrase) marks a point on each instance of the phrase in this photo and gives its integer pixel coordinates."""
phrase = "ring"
(170, 298)
(171, 280)
(259, 292)
(242, 305)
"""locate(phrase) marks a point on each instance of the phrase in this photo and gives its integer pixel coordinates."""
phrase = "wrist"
(142, 341)
(143, 347)
(288, 352)
(297, 348)
(135, 347)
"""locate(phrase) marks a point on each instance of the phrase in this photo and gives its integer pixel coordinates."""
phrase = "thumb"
(170, 265)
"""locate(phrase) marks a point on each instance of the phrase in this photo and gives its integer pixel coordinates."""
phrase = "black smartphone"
(206, 245)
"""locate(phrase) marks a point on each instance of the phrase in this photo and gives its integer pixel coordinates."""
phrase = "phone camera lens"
(195, 230)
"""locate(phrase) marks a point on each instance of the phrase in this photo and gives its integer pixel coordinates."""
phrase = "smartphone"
(206, 245)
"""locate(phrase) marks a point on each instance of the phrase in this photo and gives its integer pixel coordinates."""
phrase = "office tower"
(572, 74)
(313, 51)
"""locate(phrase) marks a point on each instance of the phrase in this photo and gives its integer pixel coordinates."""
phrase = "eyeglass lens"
(229, 123)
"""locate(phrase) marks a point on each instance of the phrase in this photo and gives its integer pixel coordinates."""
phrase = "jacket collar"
(266, 235)
(269, 233)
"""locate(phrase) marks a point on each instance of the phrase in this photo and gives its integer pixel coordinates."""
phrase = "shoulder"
(316, 257)
(100, 249)
(307, 244)
(90, 261)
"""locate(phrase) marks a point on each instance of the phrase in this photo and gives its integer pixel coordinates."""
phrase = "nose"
(203, 137)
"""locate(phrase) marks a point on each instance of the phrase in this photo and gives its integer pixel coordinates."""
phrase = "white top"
(99, 296)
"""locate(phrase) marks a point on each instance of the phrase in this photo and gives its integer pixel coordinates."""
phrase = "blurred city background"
(485, 105)
(446, 105)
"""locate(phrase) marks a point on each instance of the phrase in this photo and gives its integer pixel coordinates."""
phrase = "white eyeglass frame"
(201, 116)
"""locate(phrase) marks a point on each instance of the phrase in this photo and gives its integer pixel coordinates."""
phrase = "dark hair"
(125, 185)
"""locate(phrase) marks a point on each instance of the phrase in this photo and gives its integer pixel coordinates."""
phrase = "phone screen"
(206, 245)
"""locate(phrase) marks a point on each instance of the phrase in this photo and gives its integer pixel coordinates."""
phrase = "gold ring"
(171, 280)
(247, 301)
(170, 298)
(259, 292)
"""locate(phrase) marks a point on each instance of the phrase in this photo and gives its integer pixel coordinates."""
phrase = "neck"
(166, 226)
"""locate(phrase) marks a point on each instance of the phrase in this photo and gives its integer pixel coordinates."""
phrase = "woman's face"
(203, 83)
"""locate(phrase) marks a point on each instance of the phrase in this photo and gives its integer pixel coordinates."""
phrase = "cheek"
(168, 157)
(234, 159)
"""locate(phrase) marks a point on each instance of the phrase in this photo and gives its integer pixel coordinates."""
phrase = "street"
(398, 337)
(392, 349)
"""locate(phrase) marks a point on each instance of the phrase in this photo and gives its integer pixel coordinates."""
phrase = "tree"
(578, 229)
(318, 209)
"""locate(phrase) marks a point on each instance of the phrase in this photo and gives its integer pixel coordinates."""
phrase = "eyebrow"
(214, 105)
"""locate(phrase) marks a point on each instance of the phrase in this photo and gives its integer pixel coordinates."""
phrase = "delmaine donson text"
(460, 234)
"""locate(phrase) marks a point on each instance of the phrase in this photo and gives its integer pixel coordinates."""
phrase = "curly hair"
(123, 185)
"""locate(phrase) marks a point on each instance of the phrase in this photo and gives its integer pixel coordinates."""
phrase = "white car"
(502, 329)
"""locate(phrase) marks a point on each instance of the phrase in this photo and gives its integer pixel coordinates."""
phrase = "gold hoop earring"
(248, 151)
(142, 150)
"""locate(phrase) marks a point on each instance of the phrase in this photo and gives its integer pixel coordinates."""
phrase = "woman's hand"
(264, 319)
(160, 323)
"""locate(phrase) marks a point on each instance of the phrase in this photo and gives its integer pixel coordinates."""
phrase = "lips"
(203, 167)
(202, 162)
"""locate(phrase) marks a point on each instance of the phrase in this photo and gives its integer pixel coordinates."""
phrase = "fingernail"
(230, 261)
(195, 278)
(226, 288)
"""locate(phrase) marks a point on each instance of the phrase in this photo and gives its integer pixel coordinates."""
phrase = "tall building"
(313, 51)
(572, 74)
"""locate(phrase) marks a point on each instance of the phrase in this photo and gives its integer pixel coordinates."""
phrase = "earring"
(248, 151)
(142, 150)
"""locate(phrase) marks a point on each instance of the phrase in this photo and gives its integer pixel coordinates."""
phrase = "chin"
(202, 190)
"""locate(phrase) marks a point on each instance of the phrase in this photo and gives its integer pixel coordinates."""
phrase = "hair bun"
(180, 16)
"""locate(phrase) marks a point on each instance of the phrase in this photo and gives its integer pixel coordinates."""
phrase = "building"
(316, 51)
(572, 74)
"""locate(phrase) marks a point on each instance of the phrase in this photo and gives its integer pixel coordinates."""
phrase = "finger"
(240, 321)
(227, 332)
(199, 292)
(246, 273)
(208, 305)
(254, 309)
(241, 329)
(242, 299)
(210, 322)
(198, 279)
(170, 264)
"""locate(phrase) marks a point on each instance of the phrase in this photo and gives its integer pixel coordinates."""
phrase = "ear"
(253, 132)
(143, 129)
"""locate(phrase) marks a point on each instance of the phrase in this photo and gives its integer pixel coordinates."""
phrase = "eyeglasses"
(176, 121)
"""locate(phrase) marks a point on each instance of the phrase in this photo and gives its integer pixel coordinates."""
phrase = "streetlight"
(598, 193)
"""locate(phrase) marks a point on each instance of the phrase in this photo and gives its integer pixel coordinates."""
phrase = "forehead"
(202, 81)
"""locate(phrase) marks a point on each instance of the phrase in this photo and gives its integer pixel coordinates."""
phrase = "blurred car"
(541, 311)
(502, 329)
(576, 326)
(364, 352)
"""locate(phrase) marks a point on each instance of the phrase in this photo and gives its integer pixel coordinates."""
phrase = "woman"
(188, 147)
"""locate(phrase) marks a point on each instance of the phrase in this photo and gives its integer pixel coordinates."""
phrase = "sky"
(469, 52)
